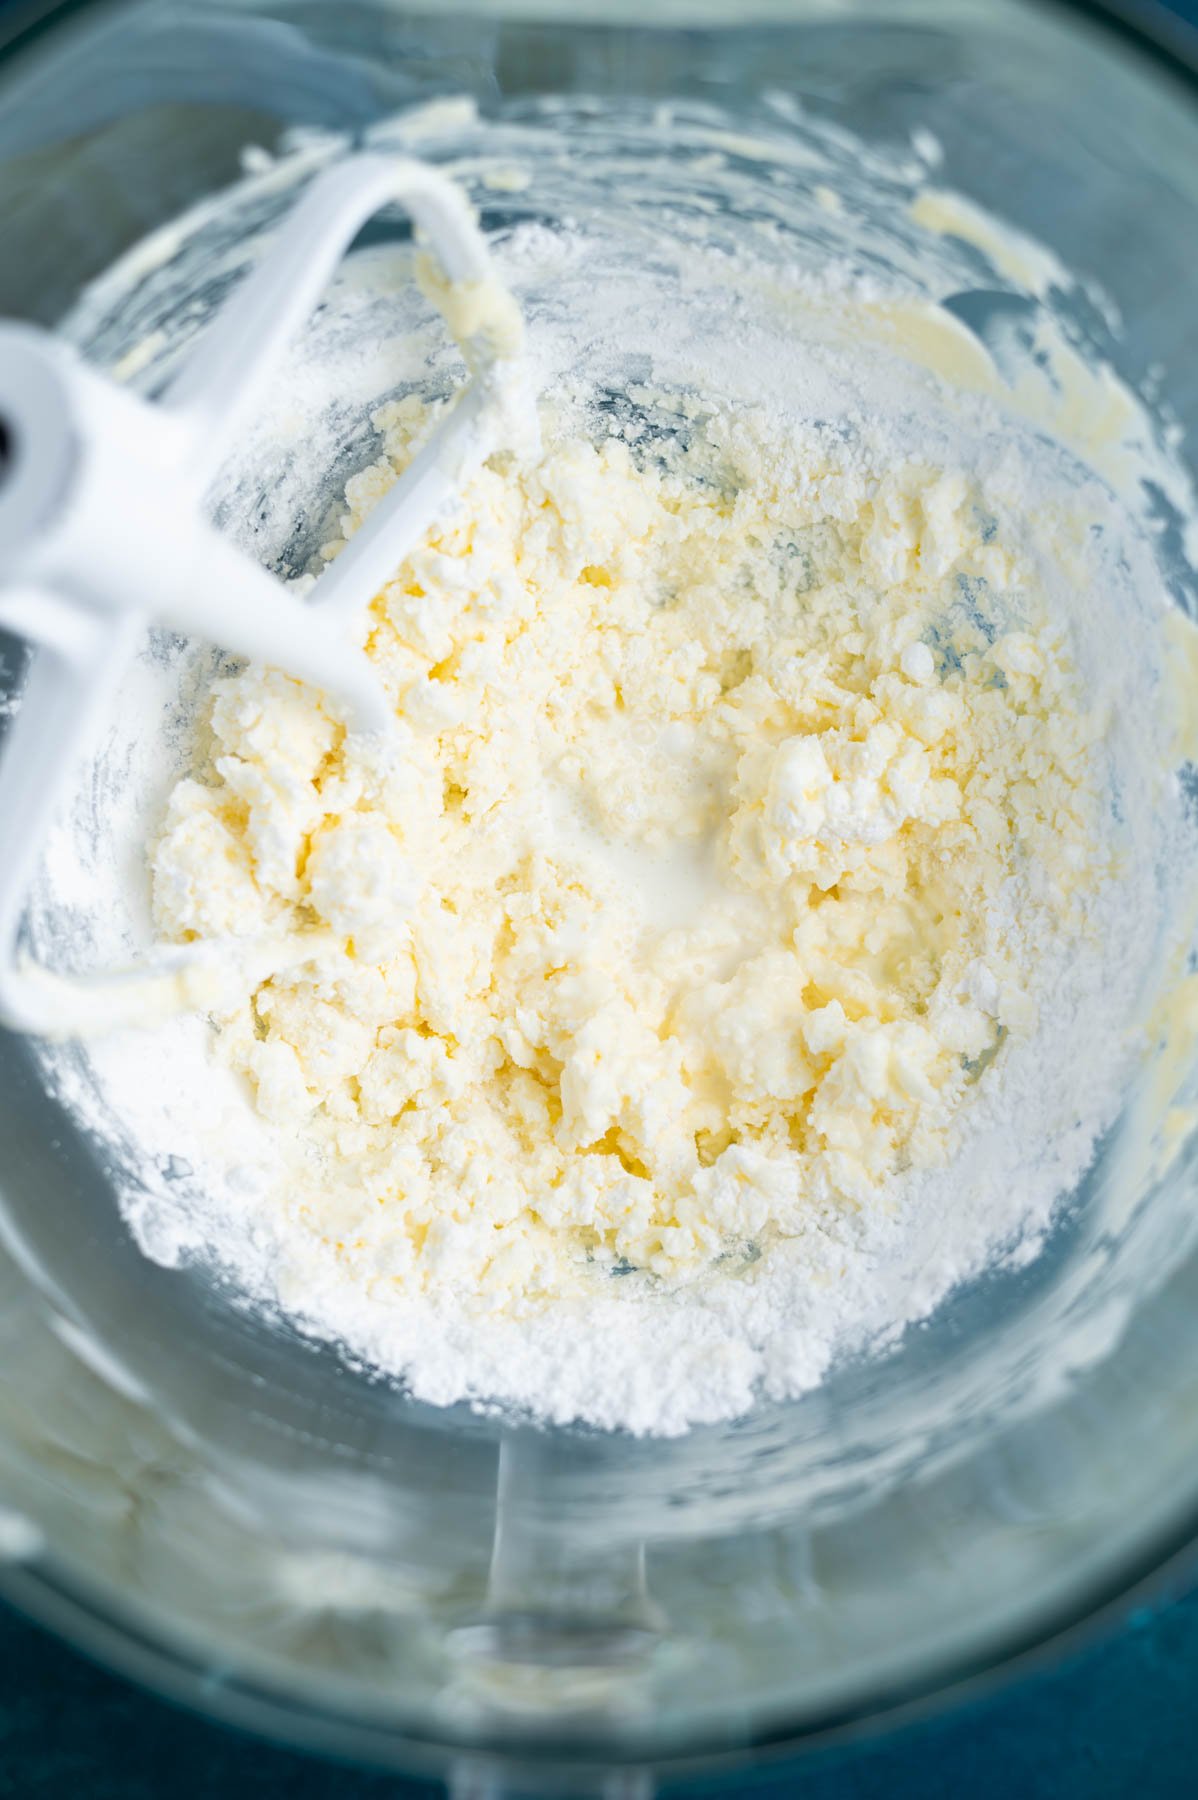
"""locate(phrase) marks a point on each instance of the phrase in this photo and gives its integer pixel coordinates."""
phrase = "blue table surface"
(1114, 1716)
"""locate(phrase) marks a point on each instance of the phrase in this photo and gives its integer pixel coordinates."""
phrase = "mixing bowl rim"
(109, 1634)
(96, 1621)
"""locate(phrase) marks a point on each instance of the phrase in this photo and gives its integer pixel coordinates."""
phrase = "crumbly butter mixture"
(682, 902)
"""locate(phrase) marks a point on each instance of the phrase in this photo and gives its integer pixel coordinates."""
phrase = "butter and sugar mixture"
(738, 779)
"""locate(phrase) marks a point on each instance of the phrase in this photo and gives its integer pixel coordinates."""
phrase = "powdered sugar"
(641, 1361)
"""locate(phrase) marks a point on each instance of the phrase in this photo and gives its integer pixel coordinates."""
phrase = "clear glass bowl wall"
(232, 1513)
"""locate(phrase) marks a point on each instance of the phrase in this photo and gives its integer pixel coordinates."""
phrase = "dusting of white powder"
(1005, 1120)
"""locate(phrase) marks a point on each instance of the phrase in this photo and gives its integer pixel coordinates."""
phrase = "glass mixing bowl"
(213, 1503)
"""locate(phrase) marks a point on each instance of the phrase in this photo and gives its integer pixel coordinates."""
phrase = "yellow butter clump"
(678, 908)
